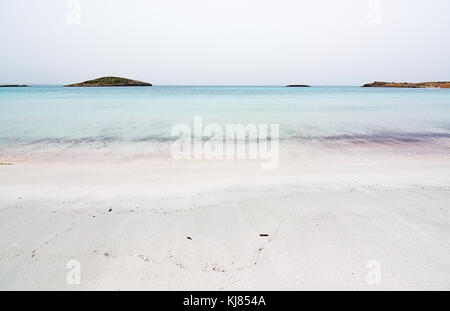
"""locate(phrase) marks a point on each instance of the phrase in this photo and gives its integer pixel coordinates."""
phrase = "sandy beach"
(160, 224)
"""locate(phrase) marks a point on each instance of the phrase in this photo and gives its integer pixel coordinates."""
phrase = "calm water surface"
(42, 116)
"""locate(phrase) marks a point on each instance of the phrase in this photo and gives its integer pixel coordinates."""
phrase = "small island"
(297, 85)
(13, 85)
(444, 85)
(109, 81)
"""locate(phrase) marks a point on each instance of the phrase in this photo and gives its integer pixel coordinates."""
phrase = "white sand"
(327, 216)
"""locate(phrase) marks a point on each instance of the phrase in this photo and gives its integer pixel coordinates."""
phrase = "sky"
(232, 42)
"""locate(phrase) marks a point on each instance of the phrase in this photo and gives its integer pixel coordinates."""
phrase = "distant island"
(445, 84)
(297, 85)
(13, 85)
(109, 81)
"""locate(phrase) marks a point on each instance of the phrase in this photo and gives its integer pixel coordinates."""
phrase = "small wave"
(74, 141)
(155, 138)
(391, 138)
(385, 138)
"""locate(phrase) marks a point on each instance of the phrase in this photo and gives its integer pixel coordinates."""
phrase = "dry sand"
(327, 216)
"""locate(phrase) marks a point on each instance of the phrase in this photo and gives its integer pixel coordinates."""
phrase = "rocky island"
(13, 85)
(297, 85)
(444, 85)
(109, 81)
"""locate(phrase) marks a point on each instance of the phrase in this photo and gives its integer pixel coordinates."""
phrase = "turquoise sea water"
(41, 116)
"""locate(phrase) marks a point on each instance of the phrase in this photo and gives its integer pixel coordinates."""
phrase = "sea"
(57, 120)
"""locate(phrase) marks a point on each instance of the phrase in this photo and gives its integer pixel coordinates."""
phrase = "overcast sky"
(237, 42)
